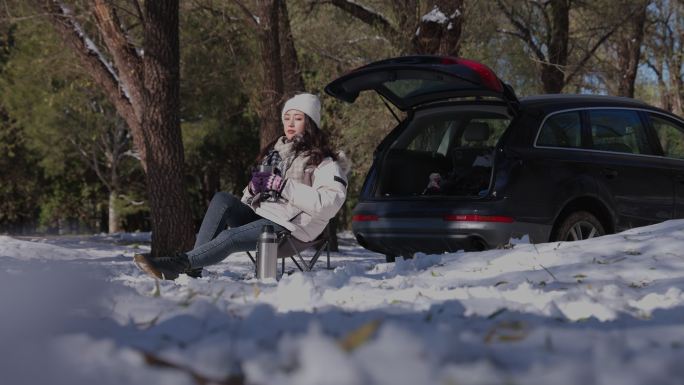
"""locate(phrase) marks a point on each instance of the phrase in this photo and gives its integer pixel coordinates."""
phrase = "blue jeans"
(214, 242)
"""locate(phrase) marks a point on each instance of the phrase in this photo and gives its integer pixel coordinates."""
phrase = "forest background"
(78, 141)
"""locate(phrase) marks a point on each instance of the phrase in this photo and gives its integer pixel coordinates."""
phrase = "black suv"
(554, 167)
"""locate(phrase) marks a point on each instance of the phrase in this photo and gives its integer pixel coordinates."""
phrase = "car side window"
(670, 136)
(561, 130)
(618, 131)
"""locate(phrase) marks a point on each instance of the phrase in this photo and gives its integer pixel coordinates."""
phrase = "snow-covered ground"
(75, 310)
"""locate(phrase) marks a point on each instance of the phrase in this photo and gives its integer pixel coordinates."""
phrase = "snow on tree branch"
(68, 15)
(435, 16)
(92, 52)
(249, 14)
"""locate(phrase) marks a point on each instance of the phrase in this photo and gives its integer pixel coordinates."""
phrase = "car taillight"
(488, 76)
(477, 218)
(365, 218)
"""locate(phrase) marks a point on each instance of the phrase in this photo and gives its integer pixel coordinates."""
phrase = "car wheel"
(389, 258)
(578, 226)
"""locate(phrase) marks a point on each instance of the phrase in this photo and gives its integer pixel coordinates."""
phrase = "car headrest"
(476, 132)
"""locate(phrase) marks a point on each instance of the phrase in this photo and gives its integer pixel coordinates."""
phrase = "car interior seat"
(475, 135)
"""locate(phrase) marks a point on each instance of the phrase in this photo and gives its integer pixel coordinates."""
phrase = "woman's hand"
(259, 182)
(263, 181)
(275, 183)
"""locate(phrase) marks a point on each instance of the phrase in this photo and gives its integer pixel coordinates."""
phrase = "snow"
(603, 311)
(435, 16)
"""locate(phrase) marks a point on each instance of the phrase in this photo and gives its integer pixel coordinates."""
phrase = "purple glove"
(263, 181)
(259, 182)
(275, 183)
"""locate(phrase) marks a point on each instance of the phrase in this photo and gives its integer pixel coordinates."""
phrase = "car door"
(559, 165)
(626, 168)
(670, 134)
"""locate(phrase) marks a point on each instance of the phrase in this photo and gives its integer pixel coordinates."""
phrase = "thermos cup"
(267, 253)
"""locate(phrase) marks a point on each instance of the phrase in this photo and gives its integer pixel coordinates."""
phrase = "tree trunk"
(677, 96)
(272, 88)
(665, 100)
(114, 220)
(292, 73)
(552, 79)
(211, 182)
(674, 64)
(407, 14)
(629, 52)
(552, 73)
(145, 94)
(439, 32)
(172, 225)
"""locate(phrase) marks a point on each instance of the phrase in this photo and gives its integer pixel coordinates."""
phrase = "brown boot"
(163, 267)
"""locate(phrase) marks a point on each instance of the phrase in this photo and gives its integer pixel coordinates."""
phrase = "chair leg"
(318, 254)
(294, 249)
(253, 262)
(327, 247)
(282, 268)
(296, 263)
(306, 265)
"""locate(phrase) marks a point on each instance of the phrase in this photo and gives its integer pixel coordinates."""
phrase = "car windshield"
(447, 152)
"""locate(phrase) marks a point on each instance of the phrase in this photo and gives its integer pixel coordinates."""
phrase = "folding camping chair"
(289, 246)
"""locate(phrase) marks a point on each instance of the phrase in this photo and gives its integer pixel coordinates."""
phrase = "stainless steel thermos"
(267, 253)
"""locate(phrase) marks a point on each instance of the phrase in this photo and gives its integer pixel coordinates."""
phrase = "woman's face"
(293, 123)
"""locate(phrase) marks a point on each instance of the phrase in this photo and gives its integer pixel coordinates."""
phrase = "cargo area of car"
(451, 146)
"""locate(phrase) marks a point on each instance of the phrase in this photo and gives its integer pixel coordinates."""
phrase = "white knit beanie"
(306, 103)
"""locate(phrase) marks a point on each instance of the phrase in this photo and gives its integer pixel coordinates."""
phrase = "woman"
(305, 189)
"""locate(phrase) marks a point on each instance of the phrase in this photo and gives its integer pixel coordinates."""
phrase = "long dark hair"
(313, 142)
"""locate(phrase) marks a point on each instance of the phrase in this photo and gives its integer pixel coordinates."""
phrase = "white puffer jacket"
(305, 210)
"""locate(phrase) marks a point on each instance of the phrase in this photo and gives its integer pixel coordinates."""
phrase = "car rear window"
(444, 133)
(561, 130)
(453, 145)
(618, 131)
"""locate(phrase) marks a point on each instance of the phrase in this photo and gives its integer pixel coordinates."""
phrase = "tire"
(578, 226)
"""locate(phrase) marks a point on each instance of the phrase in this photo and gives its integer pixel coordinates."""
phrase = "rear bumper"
(407, 236)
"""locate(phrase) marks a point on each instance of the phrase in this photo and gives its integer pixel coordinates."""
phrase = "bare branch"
(253, 19)
(11, 19)
(138, 10)
(547, 21)
(131, 201)
(366, 15)
(654, 69)
(599, 42)
(511, 33)
(89, 55)
(133, 154)
(96, 166)
(524, 33)
(90, 161)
